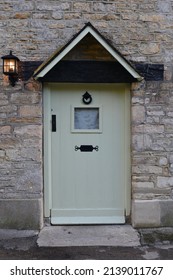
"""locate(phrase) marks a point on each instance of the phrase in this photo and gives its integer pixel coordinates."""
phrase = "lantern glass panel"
(10, 66)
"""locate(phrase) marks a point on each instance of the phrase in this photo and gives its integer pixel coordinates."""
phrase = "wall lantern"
(10, 67)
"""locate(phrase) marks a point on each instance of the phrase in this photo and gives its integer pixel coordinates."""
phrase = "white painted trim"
(76, 40)
(47, 150)
(127, 147)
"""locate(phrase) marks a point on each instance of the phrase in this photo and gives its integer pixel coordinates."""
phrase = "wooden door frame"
(47, 150)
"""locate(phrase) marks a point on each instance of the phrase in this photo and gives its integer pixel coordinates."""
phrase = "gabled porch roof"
(56, 57)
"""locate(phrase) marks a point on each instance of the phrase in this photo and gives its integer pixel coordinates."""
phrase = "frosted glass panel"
(86, 118)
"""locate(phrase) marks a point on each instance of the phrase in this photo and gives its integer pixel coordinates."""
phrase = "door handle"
(86, 148)
(53, 123)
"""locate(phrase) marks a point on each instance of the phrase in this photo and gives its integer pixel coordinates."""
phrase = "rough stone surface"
(166, 213)
(156, 235)
(21, 213)
(146, 213)
(62, 236)
(142, 31)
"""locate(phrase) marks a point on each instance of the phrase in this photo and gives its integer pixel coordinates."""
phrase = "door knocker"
(87, 98)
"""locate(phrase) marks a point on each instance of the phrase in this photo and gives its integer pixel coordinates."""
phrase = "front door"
(88, 153)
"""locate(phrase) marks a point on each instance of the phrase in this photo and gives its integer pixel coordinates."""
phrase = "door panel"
(88, 185)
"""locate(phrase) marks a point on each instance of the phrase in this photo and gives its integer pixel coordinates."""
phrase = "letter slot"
(86, 148)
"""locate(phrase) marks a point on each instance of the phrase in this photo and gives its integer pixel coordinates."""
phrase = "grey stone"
(21, 214)
(164, 182)
(158, 236)
(138, 113)
(144, 185)
(6, 234)
(109, 235)
(166, 208)
(146, 213)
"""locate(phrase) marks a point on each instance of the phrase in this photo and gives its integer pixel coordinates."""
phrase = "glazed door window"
(86, 119)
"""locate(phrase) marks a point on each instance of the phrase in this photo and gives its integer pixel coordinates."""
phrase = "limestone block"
(171, 158)
(168, 73)
(145, 213)
(154, 128)
(30, 180)
(72, 16)
(154, 112)
(40, 15)
(21, 214)
(152, 120)
(149, 128)
(25, 153)
(2, 153)
(29, 130)
(101, 7)
(170, 114)
(164, 182)
(34, 111)
(32, 85)
(166, 207)
(144, 185)
(3, 116)
(57, 15)
(5, 129)
(141, 142)
(81, 6)
(148, 7)
(24, 98)
(24, 6)
(151, 48)
(163, 161)
(45, 7)
(138, 113)
(3, 102)
(130, 16)
(9, 142)
(164, 6)
(111, 7)
(166, 86)
(8, 109)
(147, 169)
(22, 15)
(167, 121)
(151, 17)
(138, 100)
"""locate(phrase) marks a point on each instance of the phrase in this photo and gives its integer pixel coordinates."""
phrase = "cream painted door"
(88, 154)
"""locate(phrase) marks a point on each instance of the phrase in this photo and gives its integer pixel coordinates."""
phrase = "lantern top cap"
(10, 56)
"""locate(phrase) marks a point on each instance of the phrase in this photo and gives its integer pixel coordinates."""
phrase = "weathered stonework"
(143, 32)
(21, 157)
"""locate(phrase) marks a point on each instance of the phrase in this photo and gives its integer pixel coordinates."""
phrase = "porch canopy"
(87, 58)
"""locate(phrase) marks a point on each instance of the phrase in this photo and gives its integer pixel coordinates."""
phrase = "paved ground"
(27, 245)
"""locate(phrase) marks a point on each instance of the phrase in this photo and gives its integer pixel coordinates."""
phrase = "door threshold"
(87, 220)
(88, 235)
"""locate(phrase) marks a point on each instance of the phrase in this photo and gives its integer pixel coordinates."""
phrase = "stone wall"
(21, 156)
(152, 154)
(143, 32)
